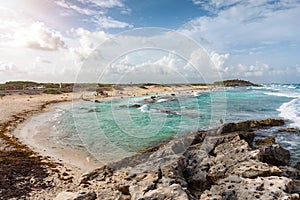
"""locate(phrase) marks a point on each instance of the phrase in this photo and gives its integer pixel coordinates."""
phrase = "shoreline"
(42, 141)
(60, 175)
(20, 159)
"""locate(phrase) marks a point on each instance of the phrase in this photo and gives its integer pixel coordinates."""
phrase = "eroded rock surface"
(214, 164)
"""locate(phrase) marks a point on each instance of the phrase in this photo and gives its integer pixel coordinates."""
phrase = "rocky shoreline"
(217, 164)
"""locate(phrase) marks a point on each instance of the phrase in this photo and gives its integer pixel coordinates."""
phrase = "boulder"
(274, 154)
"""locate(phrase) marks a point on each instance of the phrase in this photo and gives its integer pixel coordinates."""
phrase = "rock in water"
(265, 141)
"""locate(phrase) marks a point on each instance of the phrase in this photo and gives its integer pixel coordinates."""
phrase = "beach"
(53, 161)
(37, 164)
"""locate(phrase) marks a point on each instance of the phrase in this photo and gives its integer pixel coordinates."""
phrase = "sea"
(118, 127)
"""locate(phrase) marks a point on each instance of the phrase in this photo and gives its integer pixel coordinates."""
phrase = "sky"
(150, 40)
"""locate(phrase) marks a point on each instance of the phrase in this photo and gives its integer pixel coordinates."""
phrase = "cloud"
(86, 42)
(240, 23)
(105, 22)
(95, 11)
(259, 69)
(67, 5)
(39, 36)
(154, 66)
(107, 3)
(7, 67)
(250, 31)
(218, 60)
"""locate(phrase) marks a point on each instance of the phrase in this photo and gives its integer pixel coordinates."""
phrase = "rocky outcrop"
(214, 164)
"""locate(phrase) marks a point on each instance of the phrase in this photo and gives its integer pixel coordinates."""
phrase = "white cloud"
(39, 36)
(107, 3)
(75, 8)
(18, 30)
(85, 43)
(259, 69)
(7, 67)
(105, 22)
(219, 60)
(238, 23)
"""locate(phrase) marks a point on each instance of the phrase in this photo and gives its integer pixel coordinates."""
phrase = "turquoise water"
(114, 128)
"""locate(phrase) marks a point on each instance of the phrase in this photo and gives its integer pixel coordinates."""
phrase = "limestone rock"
(76, 196)
(267, 188)
(109, 194)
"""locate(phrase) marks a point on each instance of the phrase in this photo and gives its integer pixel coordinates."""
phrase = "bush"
(52, 91)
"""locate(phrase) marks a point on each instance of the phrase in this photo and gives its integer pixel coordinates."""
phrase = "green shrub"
(52, 91)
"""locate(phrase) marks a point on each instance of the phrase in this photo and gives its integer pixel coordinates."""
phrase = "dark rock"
(248, 137)
(195, 171)
(251, 125)
(135, 106)
(297, 166)
(274, 155)
(265, 141)
(97, 101)
(289, 130)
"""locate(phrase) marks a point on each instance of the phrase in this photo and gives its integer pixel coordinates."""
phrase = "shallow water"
(113, 129)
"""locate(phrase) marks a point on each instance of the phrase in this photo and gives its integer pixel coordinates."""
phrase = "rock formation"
(216, 164)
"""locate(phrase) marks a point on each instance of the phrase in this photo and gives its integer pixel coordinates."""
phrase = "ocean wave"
(284, 94)
(291, 111)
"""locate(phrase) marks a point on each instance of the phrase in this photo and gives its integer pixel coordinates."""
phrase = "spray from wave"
(291, 111)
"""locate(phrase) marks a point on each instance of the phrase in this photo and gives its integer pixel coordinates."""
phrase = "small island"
(235, 83)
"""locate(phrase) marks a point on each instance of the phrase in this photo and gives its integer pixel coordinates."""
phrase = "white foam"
(161, 100)
(144, 108)
(284, 94)
(291, 111)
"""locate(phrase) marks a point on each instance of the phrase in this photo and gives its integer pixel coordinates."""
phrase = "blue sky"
(49, 40)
